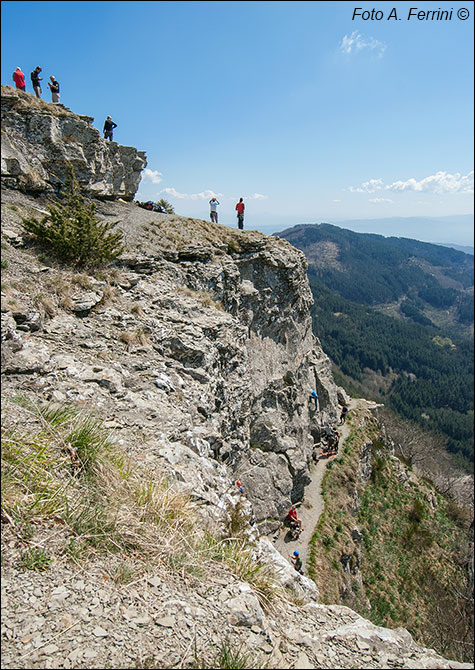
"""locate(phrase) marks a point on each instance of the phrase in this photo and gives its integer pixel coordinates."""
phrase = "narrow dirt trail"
(312, 504)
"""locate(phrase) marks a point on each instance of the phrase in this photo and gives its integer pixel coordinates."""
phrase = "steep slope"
(149, 350)
(134, 397)
(375, 270)
(390, 546)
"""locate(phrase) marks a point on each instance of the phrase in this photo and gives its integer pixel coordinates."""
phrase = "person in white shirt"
(213, 204)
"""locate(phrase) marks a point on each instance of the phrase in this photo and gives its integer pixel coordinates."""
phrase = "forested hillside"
(396, 317)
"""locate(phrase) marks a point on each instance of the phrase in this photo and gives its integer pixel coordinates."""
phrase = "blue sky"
(308, 113)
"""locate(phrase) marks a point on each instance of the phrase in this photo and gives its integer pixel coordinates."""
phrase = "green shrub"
(72, 231)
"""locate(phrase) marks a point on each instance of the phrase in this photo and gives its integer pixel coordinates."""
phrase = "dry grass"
(137, 310)
(60, 470)
(27, 101)
(136, 338)
(201, 296)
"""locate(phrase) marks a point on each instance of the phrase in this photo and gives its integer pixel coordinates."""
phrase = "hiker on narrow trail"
(312, 503)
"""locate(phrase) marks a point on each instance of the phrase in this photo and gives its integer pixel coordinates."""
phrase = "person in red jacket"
(240, 214)
(19, 79)
(293, 518)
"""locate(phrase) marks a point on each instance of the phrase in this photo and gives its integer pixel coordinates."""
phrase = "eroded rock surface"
(39, 139)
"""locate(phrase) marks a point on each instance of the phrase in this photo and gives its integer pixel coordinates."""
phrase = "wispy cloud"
(355, 43)
(152, 175)
(440, 182)
(204, 195)
(256, 196)
(378, 201)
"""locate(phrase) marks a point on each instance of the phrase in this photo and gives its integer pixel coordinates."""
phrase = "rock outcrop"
(39, 139)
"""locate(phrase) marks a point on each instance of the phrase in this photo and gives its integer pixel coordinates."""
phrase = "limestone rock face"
(39, 139)
(204, 343)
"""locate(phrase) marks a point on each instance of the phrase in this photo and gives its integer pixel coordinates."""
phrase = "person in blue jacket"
(314, 397)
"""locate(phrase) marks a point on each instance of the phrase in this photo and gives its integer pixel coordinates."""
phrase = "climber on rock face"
(314, 397)
(297, 561)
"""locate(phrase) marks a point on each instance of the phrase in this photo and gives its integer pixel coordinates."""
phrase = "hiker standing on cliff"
(54, 88)
(240, 213)
(213, 204)
(35, 80)
(109, 126)
(19, 79)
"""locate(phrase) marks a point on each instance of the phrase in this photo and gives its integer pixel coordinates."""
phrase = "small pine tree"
(165, 206)
(72, 231)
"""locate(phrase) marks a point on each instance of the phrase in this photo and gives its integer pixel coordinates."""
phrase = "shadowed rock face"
(39, 139)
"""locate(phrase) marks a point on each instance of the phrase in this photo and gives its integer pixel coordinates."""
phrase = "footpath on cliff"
(312, 505)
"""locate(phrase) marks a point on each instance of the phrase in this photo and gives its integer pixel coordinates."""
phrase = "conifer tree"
(73, 232)
(165, 206)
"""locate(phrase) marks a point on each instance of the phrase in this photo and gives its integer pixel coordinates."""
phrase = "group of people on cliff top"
(19, 79)
(240, 207)
(109, 125)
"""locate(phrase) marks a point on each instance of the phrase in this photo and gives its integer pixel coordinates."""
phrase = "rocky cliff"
(224, 365)
(39, 139)
(196, 352)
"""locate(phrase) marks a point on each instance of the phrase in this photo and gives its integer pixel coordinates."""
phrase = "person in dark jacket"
(35, 80)
(344, 413)
(54, 88)
(109, 126)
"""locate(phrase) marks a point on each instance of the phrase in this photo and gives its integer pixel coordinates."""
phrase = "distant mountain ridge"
(372, 269)
(465, 250)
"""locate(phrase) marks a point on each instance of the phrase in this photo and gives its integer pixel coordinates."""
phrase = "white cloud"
(336, 200)
(152, 175)
(254, 196)
(368, 186)
(204, 195)
(355, 43)
(440, 182)
(380, 200)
